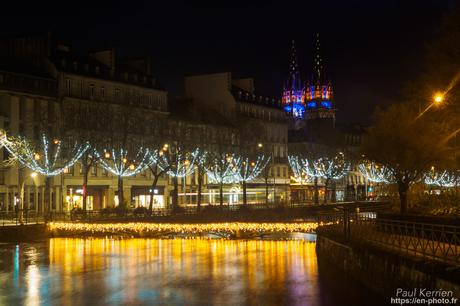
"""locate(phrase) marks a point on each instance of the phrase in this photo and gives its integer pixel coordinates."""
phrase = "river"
(74, 271)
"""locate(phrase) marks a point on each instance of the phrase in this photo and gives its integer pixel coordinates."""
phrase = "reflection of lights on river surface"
(165, 271)
(75, 271)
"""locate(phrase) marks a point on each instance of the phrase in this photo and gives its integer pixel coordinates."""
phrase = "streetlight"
(32, 176)
(438, 98)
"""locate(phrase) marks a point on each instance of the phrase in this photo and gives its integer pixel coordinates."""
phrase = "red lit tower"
(294, 91)
(319, 96)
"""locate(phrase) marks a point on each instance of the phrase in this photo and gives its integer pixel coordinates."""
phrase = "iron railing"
(431, 241)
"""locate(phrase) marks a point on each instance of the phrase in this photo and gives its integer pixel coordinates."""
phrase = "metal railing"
(431, 241)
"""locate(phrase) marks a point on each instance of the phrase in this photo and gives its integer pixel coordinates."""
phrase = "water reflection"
(71, 271)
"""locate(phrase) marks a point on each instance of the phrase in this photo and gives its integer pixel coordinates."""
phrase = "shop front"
(140, 197)
(96, 197)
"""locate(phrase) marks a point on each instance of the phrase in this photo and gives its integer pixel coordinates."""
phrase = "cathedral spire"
(294, 67)
(318, 62)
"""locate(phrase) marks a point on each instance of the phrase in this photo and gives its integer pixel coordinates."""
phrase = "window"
(91, 91)
(69, 87)
(117, 94)
(94, 170)
(278, 171)
(105, 172)
(284, 172)
(102, 93)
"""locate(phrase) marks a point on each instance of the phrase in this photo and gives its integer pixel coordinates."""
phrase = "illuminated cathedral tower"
(319, 97)
(294, 91)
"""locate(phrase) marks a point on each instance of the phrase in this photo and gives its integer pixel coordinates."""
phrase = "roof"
(242, 95)
(89, 66)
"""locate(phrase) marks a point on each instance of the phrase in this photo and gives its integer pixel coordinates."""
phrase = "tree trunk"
(221, 194)
(334, 193)
(200, 185)
(316, 195)
(245, 202)
(175, 194)
(85, 187)
(121, 200)
(325, 190)
(152, 192)
(46, 196)
(403, 187)
(266, 191)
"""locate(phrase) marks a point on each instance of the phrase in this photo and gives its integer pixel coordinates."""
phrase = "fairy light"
(156, 229)
(325, 167)
(179, 163)
(247, 170)
(53, 161)
(220, 168)
(117, 163)
(297, 165)
(376, 173)
(442, 179)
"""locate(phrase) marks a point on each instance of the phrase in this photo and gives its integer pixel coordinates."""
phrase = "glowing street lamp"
(438, 98)
(36, 156)
(107, 155)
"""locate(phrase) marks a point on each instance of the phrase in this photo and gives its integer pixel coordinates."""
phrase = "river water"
(73, 271)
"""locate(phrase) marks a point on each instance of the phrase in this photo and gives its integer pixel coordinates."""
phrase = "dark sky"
(369, 47)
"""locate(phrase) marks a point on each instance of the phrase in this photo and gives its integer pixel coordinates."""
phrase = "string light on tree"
(116, 161)
(376, 173)
(446, 179)
(300, 171)
(45, 158)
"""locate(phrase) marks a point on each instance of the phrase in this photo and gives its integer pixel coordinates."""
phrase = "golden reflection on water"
(184, 271)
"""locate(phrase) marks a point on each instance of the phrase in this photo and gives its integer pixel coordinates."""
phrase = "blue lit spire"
(294, 91)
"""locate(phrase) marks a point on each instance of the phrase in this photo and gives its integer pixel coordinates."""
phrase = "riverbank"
(384, 270)
(23, 233)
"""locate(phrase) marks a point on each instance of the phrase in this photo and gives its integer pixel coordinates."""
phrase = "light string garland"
(246, 170)
(220, 169)
(376, 173)
(46, 159)
(177, 162)
(297, 165)
(119, 163)
(323, 167)
(442, 179)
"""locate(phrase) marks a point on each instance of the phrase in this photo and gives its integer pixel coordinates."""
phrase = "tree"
(375, 172)
(85, 122)
(407, 146)
(329, 167)
(220, 169)
(247, 169)
(46, 157)
(157, 169)
(179, 162)
(122, 163)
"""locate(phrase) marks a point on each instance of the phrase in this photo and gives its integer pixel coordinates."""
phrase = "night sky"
(369, 47)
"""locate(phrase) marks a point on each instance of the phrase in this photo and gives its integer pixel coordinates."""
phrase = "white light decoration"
(376, 173)
(299, 168)
(323, 167)
(46, 158)
(116, 161)
(442, 179)
(246, 170)
(177, 162)
(219, 169)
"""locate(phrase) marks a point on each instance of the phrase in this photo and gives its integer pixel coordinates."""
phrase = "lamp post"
(32, 176)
